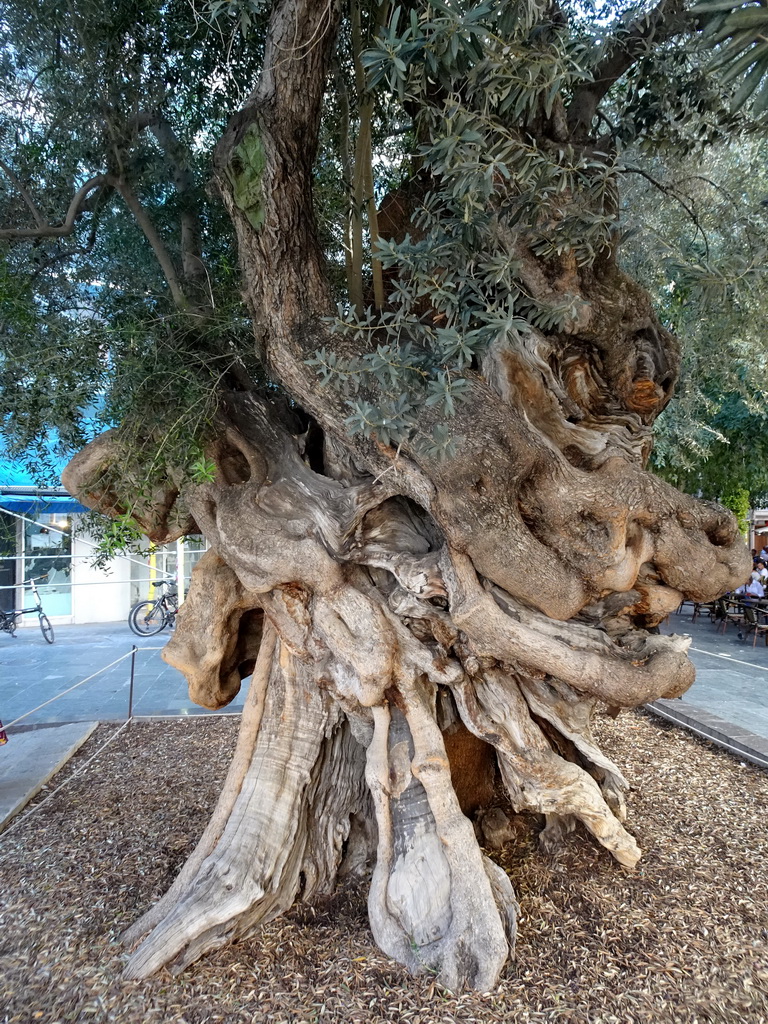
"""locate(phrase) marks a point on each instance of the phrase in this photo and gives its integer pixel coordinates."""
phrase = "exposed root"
(571, 717)
(434, 904)
(536, 778)
(255, 871)
(250, 724)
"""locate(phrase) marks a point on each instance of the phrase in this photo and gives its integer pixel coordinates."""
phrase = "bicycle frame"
(9, 620)
(168, 599)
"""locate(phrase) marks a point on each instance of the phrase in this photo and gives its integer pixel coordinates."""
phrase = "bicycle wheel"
(146, 618)
(46, 628)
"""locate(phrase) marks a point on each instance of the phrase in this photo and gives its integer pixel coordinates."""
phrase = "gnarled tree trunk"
(403, 611)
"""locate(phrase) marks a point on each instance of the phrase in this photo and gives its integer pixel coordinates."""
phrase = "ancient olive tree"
(433, 541)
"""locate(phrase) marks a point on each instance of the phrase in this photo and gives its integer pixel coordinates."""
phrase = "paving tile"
(30, 675)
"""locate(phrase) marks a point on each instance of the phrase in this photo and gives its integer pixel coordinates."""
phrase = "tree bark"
(483, 603)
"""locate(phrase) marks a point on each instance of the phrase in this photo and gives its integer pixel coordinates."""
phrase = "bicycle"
(152, 616)
(10, 620)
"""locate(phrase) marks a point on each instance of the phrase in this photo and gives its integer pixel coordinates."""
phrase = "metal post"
(133, 675)
(180, 581)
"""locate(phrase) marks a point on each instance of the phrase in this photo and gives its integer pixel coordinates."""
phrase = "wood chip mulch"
(682, 938)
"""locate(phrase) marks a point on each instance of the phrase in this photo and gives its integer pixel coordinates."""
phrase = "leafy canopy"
(133, 316)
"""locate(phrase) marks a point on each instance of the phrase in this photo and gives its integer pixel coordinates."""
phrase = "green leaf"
(711, 6)
(761, 99)
(748, 17)
(749, 85)
(744, 62)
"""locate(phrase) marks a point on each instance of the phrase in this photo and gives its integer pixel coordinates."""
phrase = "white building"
(39, 537)
(758, 528)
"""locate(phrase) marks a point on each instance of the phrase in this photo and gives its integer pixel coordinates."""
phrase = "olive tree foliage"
(130, 289)
(697, 242)
(119, 274)
(433, 540)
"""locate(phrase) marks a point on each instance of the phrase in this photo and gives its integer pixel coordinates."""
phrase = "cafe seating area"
(747, 617)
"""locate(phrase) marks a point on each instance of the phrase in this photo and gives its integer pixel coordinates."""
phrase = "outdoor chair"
(710, 608)
(698, 609)
(732, 611)
(718, 611)
(760, 626)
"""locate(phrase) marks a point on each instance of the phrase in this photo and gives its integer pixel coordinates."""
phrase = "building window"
(48, 552)
(8, 560)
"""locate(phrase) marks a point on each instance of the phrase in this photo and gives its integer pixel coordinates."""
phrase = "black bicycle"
(149, 617)
(10, 620)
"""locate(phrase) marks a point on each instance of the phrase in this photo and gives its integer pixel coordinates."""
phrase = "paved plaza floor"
(731, 674)
(32, 672)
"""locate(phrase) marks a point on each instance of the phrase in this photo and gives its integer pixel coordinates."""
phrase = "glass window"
(48, 552)
(8, 532)
(165, 561)
(194, 549)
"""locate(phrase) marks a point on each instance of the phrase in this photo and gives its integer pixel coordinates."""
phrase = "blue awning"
(40, 504)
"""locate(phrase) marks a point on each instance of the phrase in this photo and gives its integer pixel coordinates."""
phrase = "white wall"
(99, 596)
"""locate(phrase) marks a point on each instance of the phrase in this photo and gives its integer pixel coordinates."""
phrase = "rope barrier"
(115, 734)
(86, 680)
(58, 789)
(22, 818)
(82, 681)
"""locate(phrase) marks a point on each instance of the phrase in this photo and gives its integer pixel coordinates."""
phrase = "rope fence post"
(133, 676)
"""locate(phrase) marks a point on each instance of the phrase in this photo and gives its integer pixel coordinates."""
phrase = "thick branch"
(152, 235)
(667, 19)
(13, 178)
(479, 498)
(68, 225)
(140, 215)
(587, 660)
(178, 156)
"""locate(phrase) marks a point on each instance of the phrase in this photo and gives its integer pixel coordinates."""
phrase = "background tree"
(698, 243)
(120, 290)
(432, 537)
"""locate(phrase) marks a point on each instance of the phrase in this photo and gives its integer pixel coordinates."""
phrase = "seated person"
(761, 570)
(753, 589)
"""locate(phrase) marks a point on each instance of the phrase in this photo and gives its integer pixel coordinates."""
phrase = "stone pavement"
(728, 702)
(32, 672)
